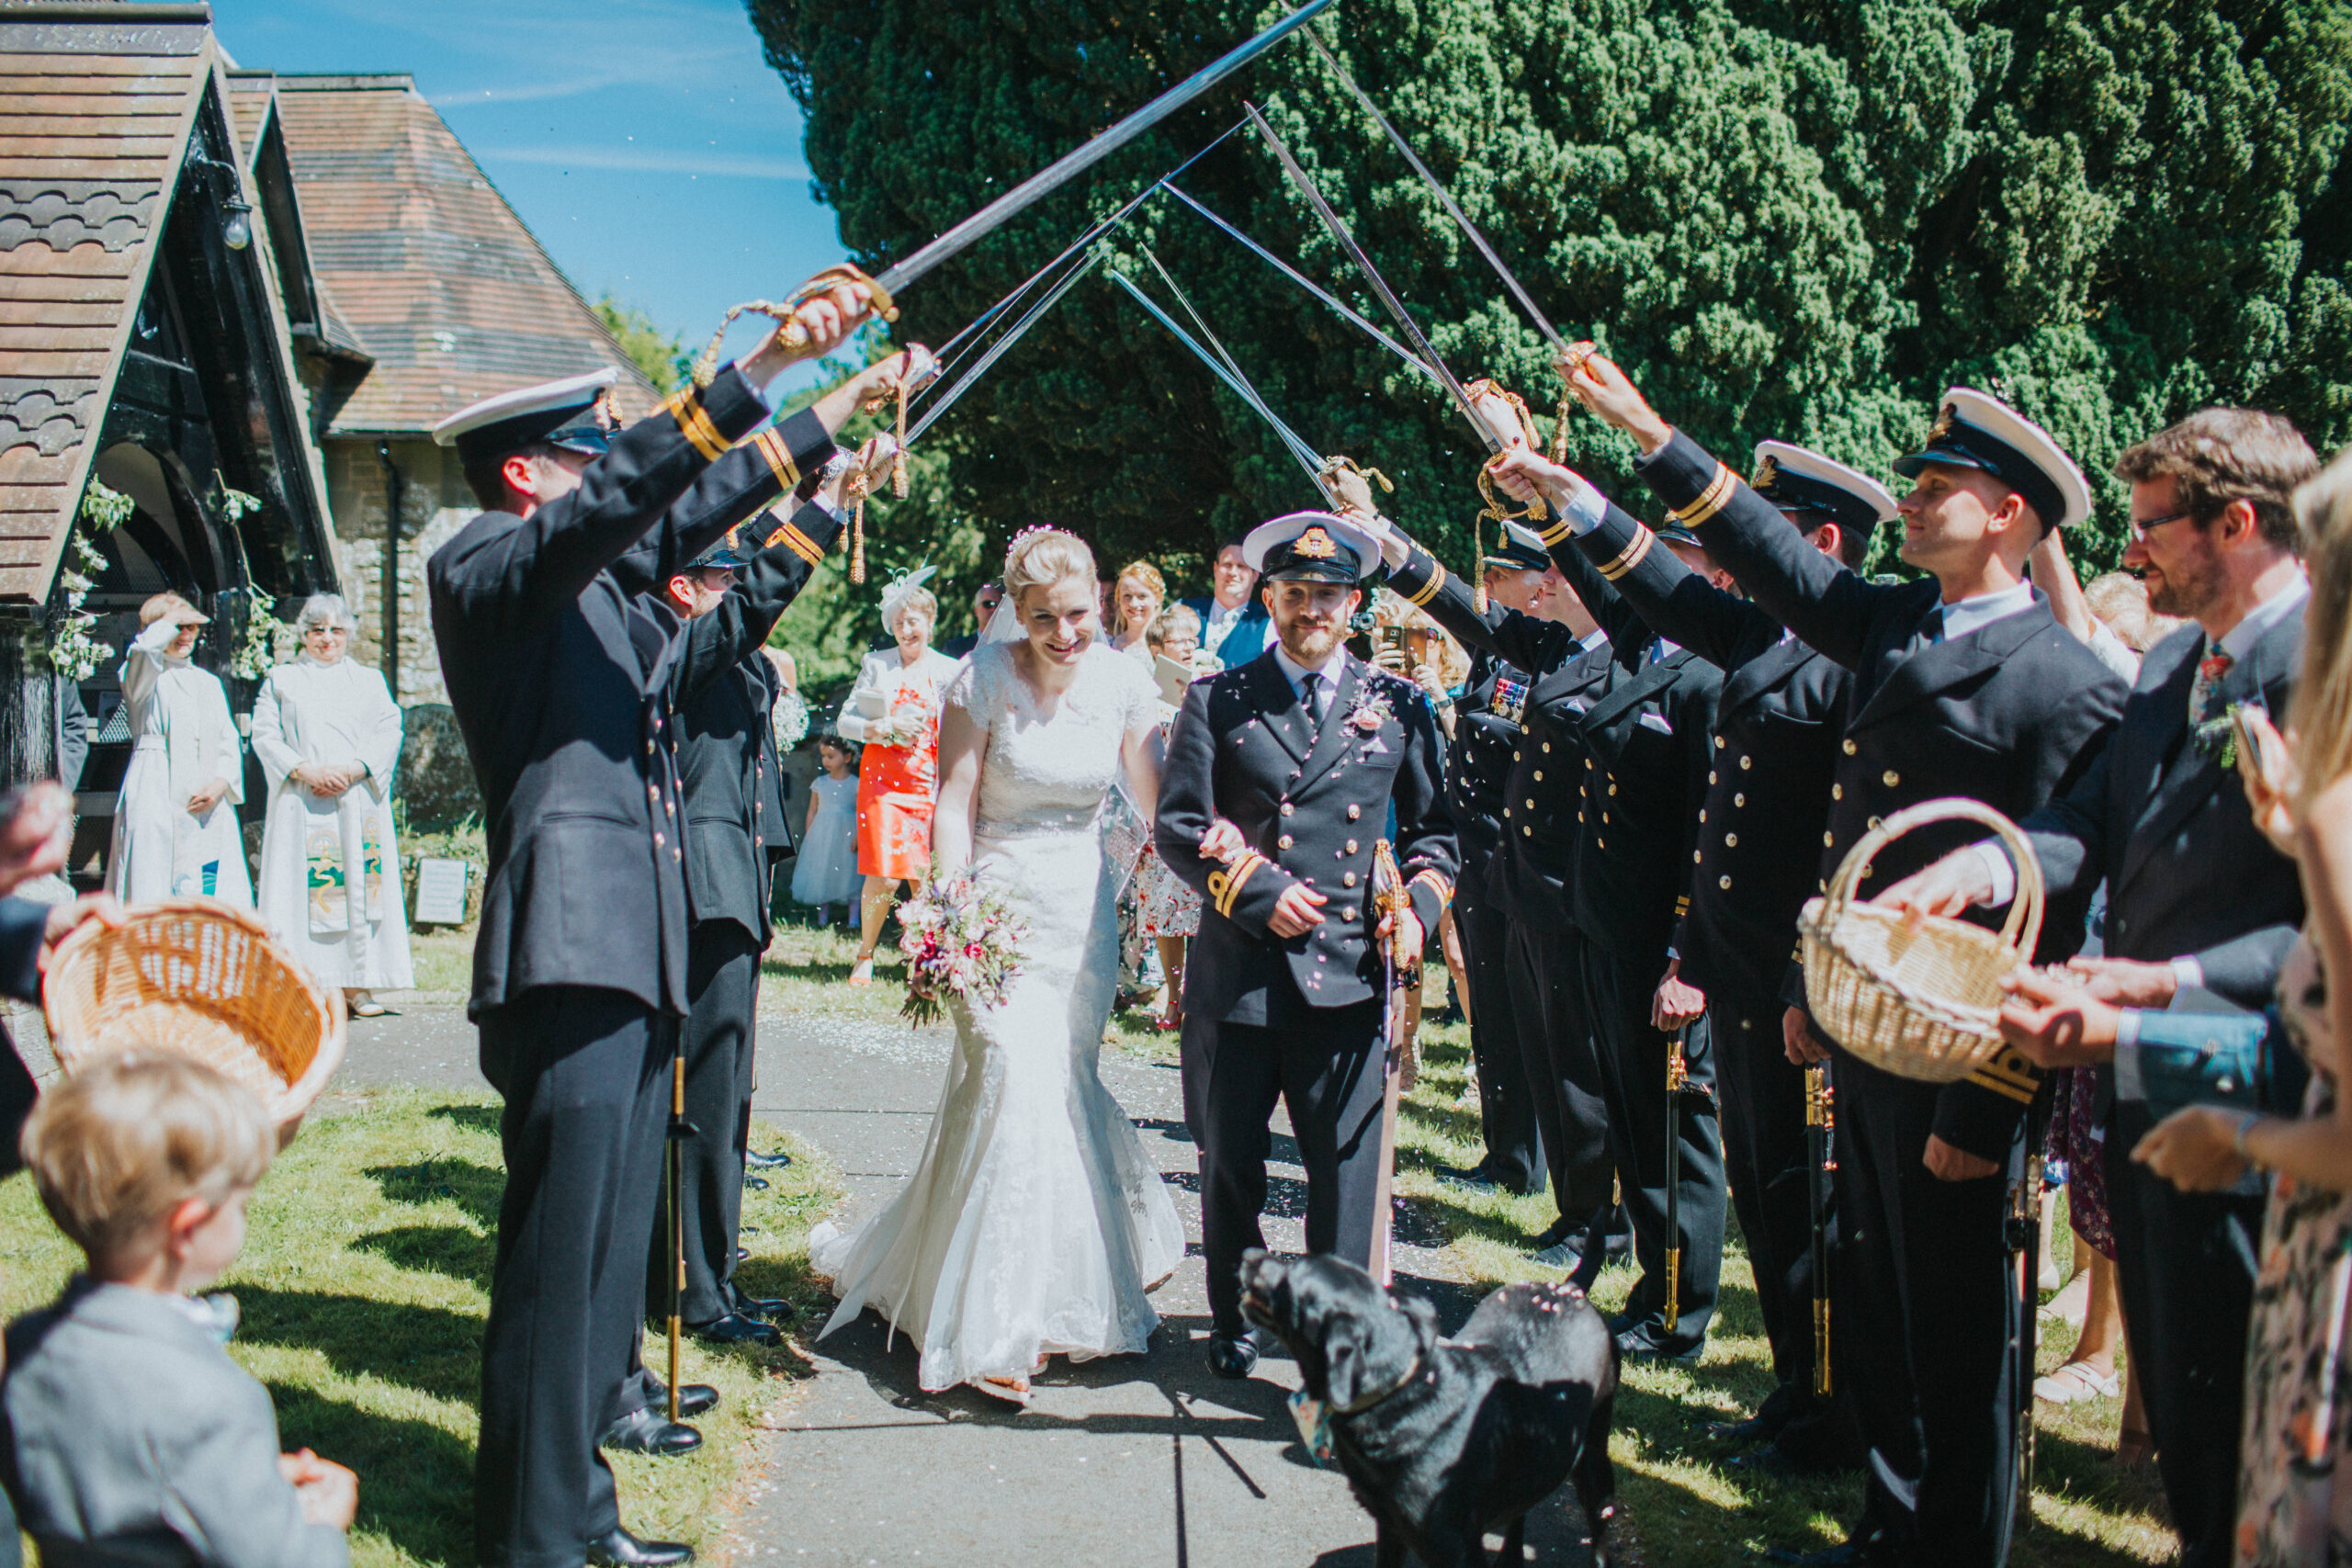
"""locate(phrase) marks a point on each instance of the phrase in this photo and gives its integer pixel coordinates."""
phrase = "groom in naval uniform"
(1305, 749)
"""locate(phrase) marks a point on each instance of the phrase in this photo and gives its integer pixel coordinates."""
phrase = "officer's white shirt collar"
(1591, 640)
(1973, 615)
(2239, 640)
(1296, 672)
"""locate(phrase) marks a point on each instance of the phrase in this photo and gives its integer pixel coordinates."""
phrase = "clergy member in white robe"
(328, 735)
(175, 832)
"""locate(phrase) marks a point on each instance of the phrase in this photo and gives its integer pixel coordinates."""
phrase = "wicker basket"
(1919, 999)
(198, 977)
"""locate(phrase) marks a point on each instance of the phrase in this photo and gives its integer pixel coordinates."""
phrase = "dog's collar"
(1368, 1401)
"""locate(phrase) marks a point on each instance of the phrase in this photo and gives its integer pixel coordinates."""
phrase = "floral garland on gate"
(70, 650)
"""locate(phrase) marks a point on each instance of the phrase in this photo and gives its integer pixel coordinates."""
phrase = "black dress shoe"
(735, 1330)
(756, 1183)
(1783, 1405)
(758, 1161)
(1230, 1356)
(694, 1398)
(775, 1309)
(1565, 1252)
(1475, 1178)
(1646, 1342)
(651, 1431)
(618, 1549)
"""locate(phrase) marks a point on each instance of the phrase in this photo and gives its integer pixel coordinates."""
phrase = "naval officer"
(1305, 750)
(1777, 726)
(1533, 871)
(1487, 725)
(559, 680)
(1964, 684)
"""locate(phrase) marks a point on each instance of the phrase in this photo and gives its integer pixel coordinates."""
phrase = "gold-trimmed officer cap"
(1518, 549)
(1796, 479)
(561, 413)
(1973, 431)
(1311, 546)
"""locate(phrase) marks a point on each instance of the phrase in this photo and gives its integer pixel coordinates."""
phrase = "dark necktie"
(1310, 697)
(2205, 702)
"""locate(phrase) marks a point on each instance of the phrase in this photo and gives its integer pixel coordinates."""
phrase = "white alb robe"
(330, 867)
(181, 740)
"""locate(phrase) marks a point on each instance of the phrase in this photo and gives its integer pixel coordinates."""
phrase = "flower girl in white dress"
(1036, 1223)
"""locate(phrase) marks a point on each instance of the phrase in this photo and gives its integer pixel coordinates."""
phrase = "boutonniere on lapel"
(2217, 737)
(1371, 711)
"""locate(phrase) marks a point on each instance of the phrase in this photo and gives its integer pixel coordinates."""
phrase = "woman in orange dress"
(893, 711)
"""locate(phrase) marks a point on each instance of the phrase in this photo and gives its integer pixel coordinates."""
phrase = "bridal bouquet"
(957, 938)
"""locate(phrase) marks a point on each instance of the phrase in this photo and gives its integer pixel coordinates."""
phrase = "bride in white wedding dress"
(1034, 1223)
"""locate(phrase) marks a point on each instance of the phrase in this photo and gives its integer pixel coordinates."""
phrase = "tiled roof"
(93, 119)
(437, 277)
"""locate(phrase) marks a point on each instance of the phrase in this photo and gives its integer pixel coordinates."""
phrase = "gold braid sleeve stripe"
(685, 407)
(1224, 886)
(1711, 500)
(1428, 590)
(1557, 534)
(1438, 884)
(2008, 1072)
(1630, 556)
(799, 543)
(779, 456)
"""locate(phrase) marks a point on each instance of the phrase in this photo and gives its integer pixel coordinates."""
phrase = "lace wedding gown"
(1034, 1223)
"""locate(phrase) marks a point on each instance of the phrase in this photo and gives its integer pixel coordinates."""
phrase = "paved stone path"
(1145, 1460)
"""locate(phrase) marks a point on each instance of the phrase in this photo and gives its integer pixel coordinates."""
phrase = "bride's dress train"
(1035, 1222)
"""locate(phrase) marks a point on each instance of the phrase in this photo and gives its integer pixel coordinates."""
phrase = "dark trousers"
(722, 994)
(585, 1075)
(1930, 1301)
(1545, 974)
(1324, 1065)
(1619, 988)
(1499, 1045)
(1769, 1170)
(2186, 1264)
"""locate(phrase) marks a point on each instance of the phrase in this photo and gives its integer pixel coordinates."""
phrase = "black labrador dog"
(1444, 1439)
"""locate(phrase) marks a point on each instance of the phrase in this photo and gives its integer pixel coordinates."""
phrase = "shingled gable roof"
(440, 281)
(98, 105)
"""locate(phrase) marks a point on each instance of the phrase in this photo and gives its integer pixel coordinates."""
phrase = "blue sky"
(645, 141)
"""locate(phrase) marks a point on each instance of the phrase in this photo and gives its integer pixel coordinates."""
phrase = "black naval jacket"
(1477, 760)
(1533, 869)
(736, 829)
(1238, 750)
(562, 680)
(2012, 713)
(1646, 742)
(2166, 827)
(1775, 745)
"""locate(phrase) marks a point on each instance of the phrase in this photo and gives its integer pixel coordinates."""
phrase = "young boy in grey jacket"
(131, 1437)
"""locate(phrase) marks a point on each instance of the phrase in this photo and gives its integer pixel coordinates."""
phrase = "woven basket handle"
(2019, 933)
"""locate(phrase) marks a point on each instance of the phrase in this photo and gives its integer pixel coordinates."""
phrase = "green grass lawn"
(1687, 1507)
(364, 1281)
(364, 1285)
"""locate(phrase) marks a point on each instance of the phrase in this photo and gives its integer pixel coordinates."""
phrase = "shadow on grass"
(415, 1480)
(473, 1118)
(477, 1189)
(435, 1249)
(431, 1349)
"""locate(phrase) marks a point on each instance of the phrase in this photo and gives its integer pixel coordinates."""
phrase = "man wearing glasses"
(2197, 899)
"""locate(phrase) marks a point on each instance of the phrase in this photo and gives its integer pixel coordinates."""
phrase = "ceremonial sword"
(1469, 229)
(1387, 297)
(1678, 1079)
(885, 286)
(1820, 1134)
(1391, 899)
